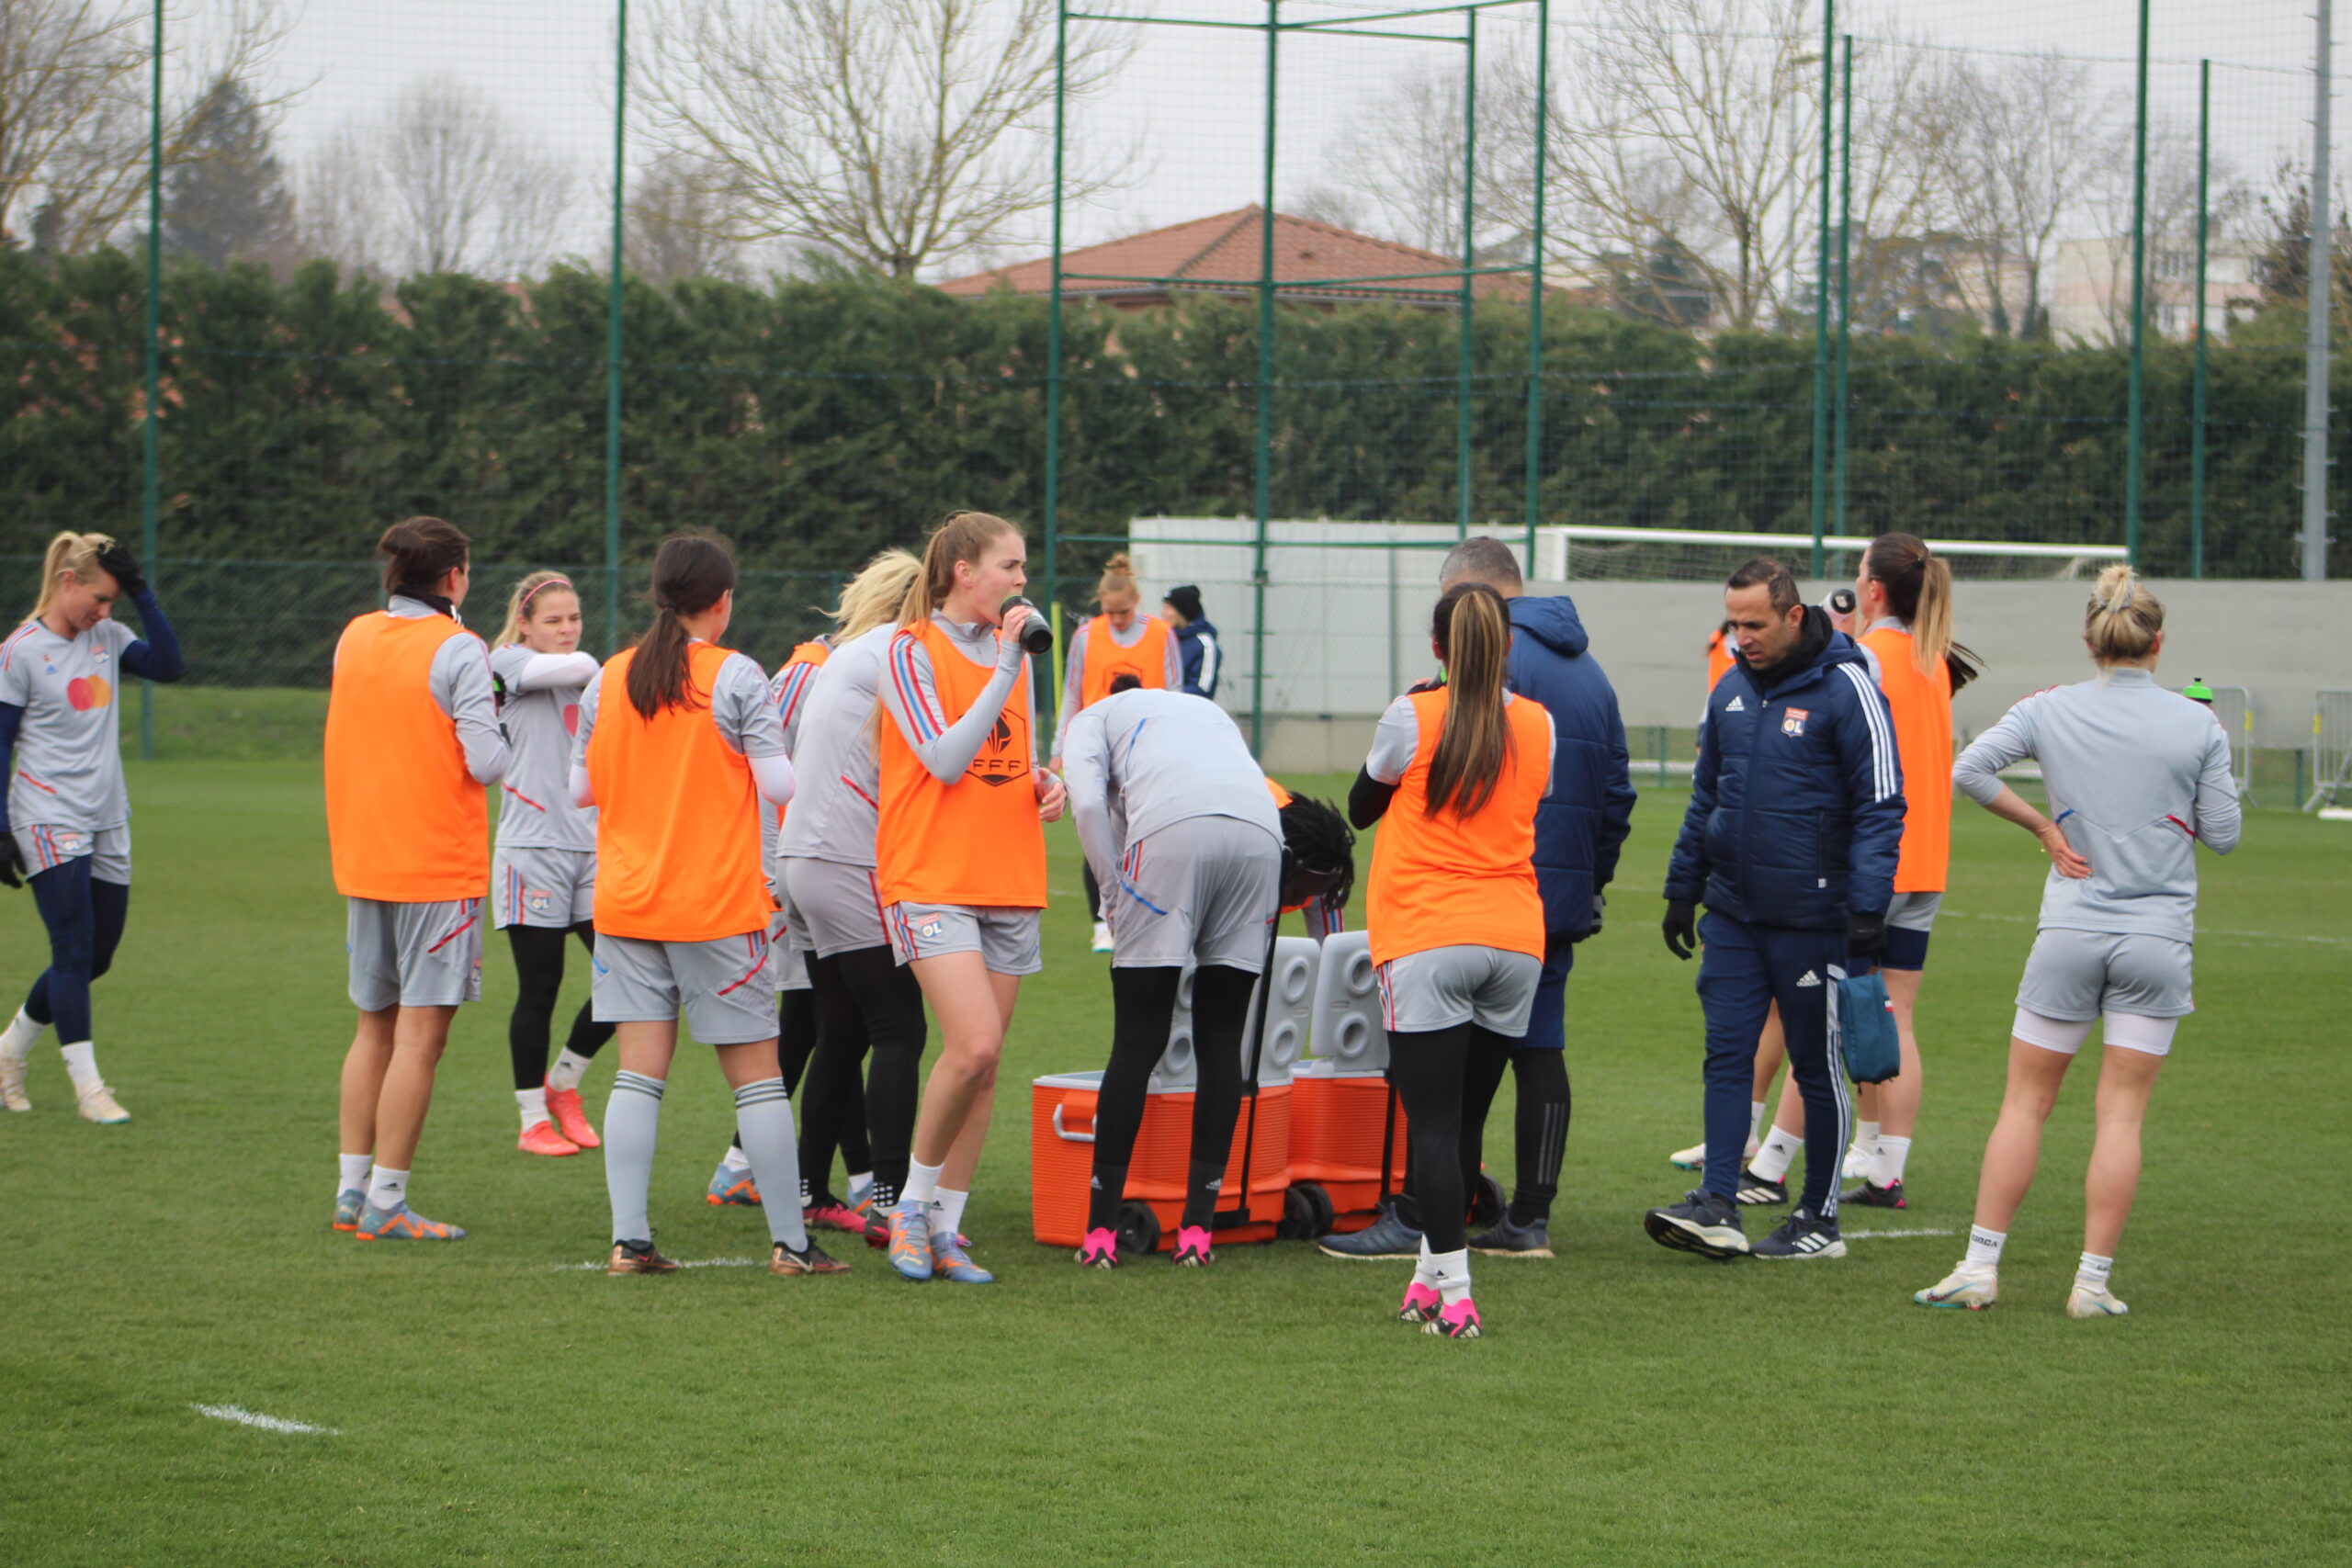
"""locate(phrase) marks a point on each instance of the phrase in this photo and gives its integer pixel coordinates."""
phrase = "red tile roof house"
(1220, 255)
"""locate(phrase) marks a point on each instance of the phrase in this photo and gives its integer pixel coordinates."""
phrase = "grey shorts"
(534, 886)
(414, 956)
(2073, 977)
(45, 848)
(840, 907)
(1913, 911)
(1446, 985)
(725, 987)
(788, 949)
(1006, 939)
(1199, 891)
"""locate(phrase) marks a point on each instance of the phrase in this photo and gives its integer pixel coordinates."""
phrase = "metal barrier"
(2331, 747)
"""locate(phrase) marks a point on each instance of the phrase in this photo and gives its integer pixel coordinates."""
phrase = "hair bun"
(2118, 585)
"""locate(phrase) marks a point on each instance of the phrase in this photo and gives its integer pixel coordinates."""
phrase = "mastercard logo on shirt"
(86, 692)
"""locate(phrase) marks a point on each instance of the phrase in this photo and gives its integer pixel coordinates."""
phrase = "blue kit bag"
(1866, 1029)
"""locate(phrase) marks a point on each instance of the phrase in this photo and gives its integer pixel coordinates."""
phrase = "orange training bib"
(1453, 881)
(975, 842)
(406, 823)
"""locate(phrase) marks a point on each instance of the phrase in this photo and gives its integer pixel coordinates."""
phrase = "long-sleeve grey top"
(836, 810)
(1074, 680)
(1138, 760)
(910, 696)
(459, 681)
(2137, 776)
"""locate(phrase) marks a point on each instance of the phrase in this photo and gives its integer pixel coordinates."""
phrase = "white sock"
(1985, 1249)
(1755, 1121)
(923, 1183)
(353, 1177)
(1771, 1161)
(1450, 1274)
(568, 1071)
(947, 1211)
(861, 1182)
(735, 1159)
(82, 1062)
(387, 1189)
(1424, 1266)
(1866, 1137)
(18, 1039)
(2092, 1272)
(1892, 1153)
(533, 1102)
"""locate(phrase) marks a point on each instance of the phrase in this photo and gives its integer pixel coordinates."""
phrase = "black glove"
(1681, 927)
(1599, 905)
(1865, 935)
(118, 561)
(12, 865)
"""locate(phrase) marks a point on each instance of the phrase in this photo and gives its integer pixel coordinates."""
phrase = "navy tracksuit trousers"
(1742, 970)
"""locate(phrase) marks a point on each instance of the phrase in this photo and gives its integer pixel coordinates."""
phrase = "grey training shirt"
(69, 758)
(2137, 777)
(1139, 761)
(834, 812)
(540, 709)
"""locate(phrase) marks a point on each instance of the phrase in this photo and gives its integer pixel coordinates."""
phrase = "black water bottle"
(1036, 637)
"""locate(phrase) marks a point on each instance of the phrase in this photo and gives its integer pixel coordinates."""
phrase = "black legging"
(539, 975)
(84, 917)
(1093, 891)
(1427, 1067)
(1143, 1003)
(1541, 1127)
(867, 1001)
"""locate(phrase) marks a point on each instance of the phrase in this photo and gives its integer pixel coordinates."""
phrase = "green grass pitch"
(494, 1402)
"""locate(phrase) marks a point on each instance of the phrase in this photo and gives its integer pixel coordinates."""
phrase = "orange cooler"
(1061, 1158)
(1336, 1120)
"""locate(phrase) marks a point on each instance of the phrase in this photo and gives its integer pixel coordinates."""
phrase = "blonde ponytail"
(873, 595)
(2123, 618)
(76, 553)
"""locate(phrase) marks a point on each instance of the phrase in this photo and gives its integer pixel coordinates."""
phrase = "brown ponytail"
(419, 553)
(1473, 630)
(691, 573)
(964, 536)
(1918, 590)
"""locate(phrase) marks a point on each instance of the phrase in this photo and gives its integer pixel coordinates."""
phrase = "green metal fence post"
(2197, 392)
(1462, 444)
(2138, 404)
(1265, 489)
(1844, 281)
(1535, 278)
(150, 434)
(1821, 289)
(612, 342)
(1053, 356)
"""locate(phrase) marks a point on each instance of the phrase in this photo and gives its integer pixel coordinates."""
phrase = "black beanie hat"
(1187, 600)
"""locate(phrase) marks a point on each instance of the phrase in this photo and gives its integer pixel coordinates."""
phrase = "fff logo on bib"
(1792, 720)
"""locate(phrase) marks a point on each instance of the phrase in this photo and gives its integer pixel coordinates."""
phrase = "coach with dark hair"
(1795, 818)
(1579, 828)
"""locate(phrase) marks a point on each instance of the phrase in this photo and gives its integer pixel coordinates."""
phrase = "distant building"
(1222, 255)
(2090, 291)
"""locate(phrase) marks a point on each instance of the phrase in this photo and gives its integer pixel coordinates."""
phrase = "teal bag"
(1866, 1029)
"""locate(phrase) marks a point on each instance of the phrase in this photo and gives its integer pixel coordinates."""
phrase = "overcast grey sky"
(1192, 100)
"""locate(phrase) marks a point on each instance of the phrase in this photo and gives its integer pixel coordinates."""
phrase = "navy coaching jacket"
(1582, 825)
(1796, 805)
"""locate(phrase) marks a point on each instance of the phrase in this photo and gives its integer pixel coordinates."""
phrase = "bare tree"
(673, 227)
(442, 183)
(1403, 166)
(73, 107)
(894, 133)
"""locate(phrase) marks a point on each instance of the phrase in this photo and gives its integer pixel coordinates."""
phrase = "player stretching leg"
(412, 740)
(1455, 778)
(961, 854)
(678, 746)
(2137, 777)
(543, 871)
(67, 815)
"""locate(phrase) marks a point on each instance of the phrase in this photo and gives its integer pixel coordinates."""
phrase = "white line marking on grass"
(683, 1263)
(1890, 1236)
(2282, 939)
(245, 1418)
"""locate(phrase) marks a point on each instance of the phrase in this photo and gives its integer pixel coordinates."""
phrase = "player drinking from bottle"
(960, 853)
